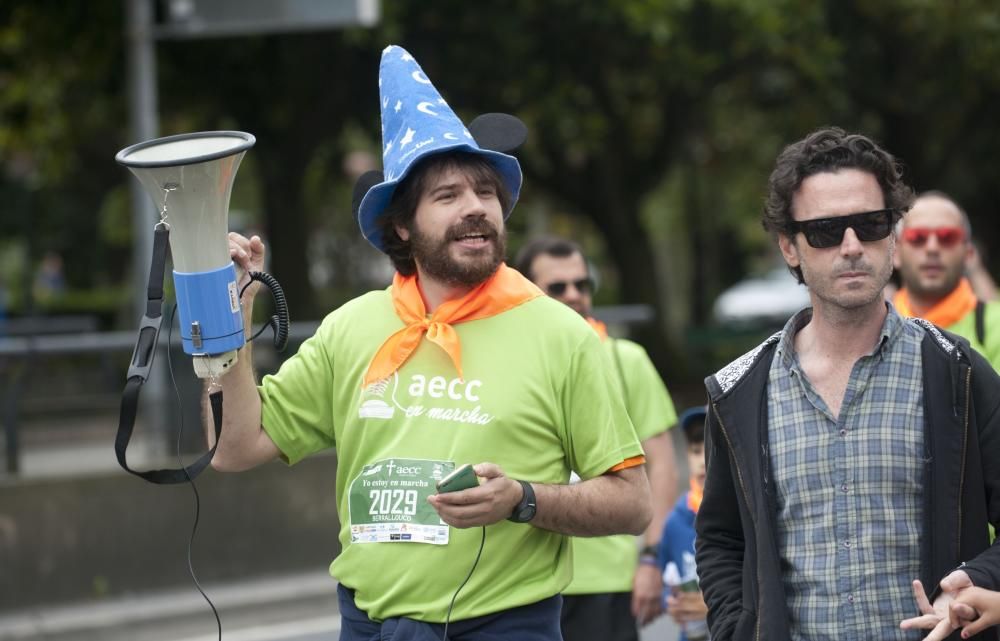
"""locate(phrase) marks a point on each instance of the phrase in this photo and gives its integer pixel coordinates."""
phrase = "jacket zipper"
(746, 499)
(965, 444)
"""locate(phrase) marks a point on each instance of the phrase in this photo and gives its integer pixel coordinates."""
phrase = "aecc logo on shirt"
(430, 389)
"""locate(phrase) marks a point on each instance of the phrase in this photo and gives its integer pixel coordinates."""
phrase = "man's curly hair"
(829, 150)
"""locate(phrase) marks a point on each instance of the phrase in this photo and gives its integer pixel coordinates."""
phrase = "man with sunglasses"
(612, 590)
(935, 248)
(854, 450)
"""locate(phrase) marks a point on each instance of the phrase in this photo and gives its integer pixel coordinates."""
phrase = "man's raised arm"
(243, 443)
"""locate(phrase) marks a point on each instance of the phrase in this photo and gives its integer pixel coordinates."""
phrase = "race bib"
(387, 502)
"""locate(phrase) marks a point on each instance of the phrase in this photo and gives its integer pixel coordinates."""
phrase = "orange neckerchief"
(599, 327)
(502, 291)
(694, 496)
(949, 310)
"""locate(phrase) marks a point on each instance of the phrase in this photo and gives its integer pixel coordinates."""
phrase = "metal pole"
(143, 125)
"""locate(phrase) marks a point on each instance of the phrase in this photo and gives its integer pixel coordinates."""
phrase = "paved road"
(289, 608)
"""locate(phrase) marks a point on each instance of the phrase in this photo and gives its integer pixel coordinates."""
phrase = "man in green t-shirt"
(614, 587)
(461, 361)
(934, 250)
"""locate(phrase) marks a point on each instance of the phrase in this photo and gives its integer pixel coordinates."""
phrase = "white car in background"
(770, 299)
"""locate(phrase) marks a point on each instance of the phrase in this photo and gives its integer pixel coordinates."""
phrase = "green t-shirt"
(966, 328)
(607, 564)
(536, 400)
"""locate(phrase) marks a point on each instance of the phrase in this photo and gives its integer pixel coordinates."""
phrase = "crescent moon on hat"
(449, 136)
(419, 76)
(426, 108)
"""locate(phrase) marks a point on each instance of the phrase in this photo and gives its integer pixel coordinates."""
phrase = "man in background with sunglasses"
(935, 247)
(855, 450)
(612, 590)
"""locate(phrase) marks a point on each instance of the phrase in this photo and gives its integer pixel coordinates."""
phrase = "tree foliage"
(653, 123)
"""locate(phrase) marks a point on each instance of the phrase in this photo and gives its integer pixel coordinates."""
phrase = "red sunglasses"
(946, 236)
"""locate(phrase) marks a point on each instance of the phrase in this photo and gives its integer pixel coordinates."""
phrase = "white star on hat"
(407, 139)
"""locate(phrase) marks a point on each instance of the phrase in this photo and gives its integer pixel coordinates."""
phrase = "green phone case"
(462, 478)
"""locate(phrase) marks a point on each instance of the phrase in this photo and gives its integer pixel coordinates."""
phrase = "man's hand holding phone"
(462, 504)
(461, 478)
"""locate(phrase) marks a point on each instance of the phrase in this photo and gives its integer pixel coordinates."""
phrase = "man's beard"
(915, 284)
(434, 257)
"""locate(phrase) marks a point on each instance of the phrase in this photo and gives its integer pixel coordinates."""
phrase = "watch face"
(525, 510)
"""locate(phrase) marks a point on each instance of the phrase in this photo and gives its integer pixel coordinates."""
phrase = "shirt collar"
(892, 329)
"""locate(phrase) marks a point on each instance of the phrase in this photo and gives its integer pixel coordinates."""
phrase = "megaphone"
(190, 179)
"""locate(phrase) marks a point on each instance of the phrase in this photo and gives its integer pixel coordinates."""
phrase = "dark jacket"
(737, 551)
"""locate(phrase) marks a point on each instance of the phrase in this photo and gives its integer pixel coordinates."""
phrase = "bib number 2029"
(396, 502)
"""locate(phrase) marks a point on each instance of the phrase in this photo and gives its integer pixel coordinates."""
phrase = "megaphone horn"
(190, 179)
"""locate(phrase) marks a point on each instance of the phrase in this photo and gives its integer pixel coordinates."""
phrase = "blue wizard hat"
(417, 122)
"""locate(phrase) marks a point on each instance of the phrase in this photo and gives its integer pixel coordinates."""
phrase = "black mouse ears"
(493, 131)
(498, 132)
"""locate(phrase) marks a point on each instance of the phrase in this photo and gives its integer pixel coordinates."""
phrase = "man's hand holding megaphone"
(248, 254)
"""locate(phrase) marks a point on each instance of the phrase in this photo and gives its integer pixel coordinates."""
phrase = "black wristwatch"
(525, 510)
(648, 555)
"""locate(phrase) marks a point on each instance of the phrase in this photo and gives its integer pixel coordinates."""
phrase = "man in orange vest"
(932, 256)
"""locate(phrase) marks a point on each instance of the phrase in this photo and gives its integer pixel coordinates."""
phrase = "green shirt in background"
(536, 399)
(990, 347)
(607, 564)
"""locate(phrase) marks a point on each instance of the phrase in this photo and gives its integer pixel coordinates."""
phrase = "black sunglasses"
(869, 226)
(558, 288)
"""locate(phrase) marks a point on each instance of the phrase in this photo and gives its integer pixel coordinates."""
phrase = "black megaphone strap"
(140, 366)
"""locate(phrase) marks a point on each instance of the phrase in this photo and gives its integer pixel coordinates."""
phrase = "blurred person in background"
(50, 281)
(685, 602)
(982, 281)
(855, 450)
(933, 256)
(612, 591)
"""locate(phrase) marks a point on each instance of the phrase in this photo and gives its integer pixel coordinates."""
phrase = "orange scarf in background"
(502, 291)
(599, 327)
(694, 496)
(949, 310)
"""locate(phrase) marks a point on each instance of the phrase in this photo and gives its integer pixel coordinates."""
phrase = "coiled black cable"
(278, 322)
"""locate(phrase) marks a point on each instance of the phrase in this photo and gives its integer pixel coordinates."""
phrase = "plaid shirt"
(849, 488)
